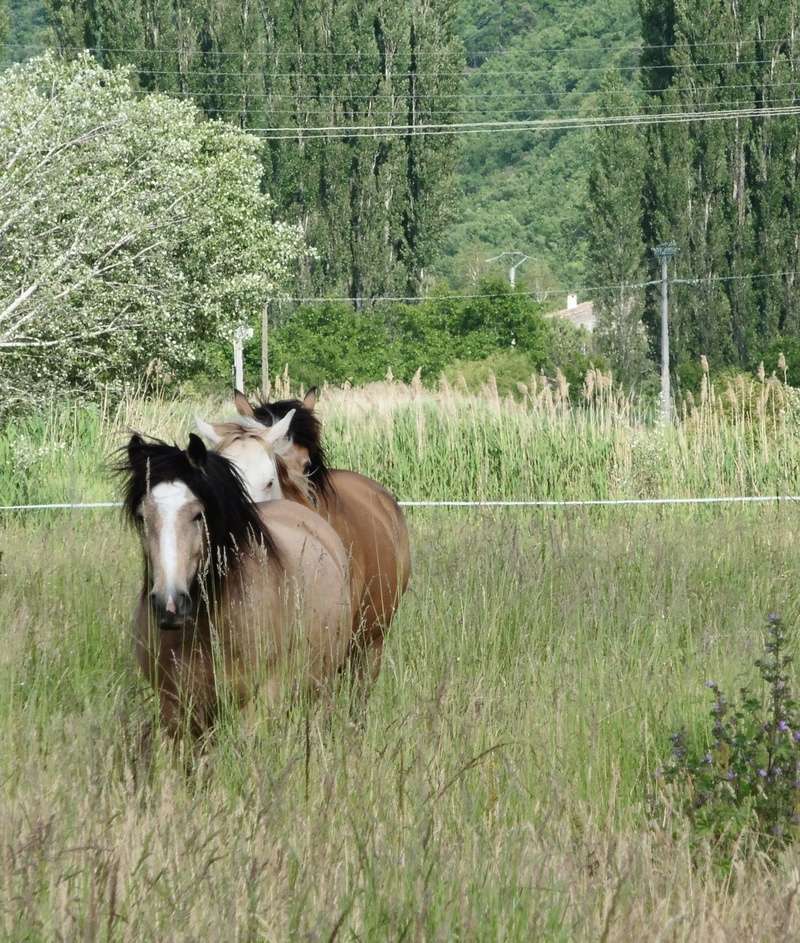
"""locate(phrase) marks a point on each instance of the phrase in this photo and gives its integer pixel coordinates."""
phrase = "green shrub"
(749, 781)
(333, 342)
(787, 369)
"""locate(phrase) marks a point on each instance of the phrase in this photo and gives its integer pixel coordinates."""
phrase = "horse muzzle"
(172, 609)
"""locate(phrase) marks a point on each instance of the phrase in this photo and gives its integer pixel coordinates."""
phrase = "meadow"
(504, 785)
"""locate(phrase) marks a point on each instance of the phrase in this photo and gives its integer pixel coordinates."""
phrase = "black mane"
(306, 431)
(231, 519)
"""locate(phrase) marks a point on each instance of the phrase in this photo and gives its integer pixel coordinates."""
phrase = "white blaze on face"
(168, 498)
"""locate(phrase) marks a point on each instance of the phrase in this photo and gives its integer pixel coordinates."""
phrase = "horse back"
(312, 557)
(373, 529)
(299, 531)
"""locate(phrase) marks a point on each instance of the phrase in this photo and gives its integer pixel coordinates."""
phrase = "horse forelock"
(306, 431)
(232, 521)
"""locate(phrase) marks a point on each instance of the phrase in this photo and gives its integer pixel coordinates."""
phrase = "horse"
(364, 514)
(232, 593)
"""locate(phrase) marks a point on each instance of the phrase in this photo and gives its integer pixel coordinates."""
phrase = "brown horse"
(364, 514)
(232, 592)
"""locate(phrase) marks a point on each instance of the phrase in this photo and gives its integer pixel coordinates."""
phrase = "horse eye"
(270, 483)
(198, 517)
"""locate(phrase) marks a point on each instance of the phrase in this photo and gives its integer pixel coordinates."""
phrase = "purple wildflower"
(783, 726)
(762, 772)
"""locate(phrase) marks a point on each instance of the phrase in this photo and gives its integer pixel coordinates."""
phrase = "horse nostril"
(170, 610)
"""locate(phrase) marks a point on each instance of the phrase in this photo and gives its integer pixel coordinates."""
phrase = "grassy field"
(504, 786)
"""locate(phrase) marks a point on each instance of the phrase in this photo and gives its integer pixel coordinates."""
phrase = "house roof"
(581, 315)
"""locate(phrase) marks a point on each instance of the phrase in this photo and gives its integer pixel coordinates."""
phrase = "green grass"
(504, 786)
(501, 788)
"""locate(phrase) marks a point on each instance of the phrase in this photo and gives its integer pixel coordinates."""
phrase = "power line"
(465, 96)
(624, 45)
(464, 112)
(613, 119)
(332, 132)
(730, 278)
(545, 68)
(534, 292)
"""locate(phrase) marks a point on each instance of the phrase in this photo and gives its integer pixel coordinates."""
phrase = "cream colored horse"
(363, 513)
(234, 595)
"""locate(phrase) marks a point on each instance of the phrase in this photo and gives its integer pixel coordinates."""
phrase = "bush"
(333, 342)
(749, 781)
(788, 368)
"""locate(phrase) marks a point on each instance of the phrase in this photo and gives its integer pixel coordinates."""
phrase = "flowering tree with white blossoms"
(132, 232)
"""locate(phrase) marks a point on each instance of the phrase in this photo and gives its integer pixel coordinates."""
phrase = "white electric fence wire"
(590, 502)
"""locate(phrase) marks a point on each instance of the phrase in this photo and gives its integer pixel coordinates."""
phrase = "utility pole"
(512, 271)
(664, 253)
(265, 351)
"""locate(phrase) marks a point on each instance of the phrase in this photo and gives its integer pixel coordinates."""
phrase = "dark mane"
(231, 519)
(306, 431)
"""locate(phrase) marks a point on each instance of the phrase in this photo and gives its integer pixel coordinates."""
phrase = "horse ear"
(197, 451)
(310, 399)
(281, 429)
(242, 404)
(207, 430)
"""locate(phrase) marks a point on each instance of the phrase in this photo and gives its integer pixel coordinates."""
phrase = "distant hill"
(28, 29)
(526, 191)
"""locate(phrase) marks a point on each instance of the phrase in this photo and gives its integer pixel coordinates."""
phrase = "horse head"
(194, 517)
(263, 455)
(307, 452)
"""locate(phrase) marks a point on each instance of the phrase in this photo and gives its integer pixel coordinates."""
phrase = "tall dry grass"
(452, 444)
(503, 787)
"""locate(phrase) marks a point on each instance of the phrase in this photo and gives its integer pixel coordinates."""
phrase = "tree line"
(371, 206)
(725, 191)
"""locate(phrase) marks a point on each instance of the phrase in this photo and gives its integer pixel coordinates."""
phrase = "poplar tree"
(724, 190)
(616, 253)
(373, 203)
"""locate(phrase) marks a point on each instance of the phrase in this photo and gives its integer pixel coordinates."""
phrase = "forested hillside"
(26, 30)
(344, 97)
(527, 191)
